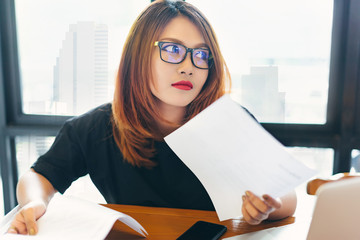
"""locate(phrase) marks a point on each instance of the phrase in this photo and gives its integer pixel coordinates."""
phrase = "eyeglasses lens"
(172, 52)
(201, 58)
(175, 53)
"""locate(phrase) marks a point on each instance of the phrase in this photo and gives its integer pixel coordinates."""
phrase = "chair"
(314, 184)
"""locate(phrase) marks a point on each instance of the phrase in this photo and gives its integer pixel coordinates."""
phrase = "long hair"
(134, 111)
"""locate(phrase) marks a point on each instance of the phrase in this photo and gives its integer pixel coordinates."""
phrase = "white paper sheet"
(295, 231)
(230, 153)
(71, 218)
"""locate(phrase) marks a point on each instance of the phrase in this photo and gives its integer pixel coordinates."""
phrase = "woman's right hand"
(25, 219)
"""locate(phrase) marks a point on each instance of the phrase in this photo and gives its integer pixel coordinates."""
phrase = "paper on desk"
(71, 218)
(230, 153)
(294, 231)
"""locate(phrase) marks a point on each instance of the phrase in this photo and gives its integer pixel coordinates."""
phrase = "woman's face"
(178, 85)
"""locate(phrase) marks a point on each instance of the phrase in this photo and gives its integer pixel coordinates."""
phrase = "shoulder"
(97, 119)
(98, 114)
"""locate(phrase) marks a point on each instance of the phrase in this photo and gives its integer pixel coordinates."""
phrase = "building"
(260, 94)
(81, 70)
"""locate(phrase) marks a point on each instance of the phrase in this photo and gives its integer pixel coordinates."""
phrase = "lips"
(183, 85)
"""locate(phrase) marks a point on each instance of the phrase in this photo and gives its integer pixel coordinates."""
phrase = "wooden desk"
(169, 223)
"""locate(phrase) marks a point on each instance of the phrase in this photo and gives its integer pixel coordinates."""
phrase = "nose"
(186, 67)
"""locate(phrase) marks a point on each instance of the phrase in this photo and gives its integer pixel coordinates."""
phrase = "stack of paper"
(71, 218)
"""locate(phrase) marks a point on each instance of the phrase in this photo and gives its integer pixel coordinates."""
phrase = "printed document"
(230, 152)
(72, 218)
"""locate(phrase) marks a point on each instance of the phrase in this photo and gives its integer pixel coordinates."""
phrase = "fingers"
(255, 209)
(272, 201)
(250, 213)
(18, 225)
(25, 220)
(30, 220)
(258, 203)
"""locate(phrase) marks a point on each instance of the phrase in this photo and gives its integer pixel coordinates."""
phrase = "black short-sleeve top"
(85, 145)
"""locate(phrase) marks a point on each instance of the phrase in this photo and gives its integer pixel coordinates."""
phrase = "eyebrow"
(200, 45)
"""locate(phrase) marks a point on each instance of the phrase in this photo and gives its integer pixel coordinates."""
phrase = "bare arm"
(33, 192)
(33, 186)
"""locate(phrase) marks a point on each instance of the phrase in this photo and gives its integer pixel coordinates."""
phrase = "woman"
(171, 69)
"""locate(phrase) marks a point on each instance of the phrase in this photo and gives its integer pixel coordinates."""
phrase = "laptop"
(337, 211)
(336, 216)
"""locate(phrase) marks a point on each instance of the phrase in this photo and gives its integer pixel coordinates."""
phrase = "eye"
(202, 54)
(171, 48)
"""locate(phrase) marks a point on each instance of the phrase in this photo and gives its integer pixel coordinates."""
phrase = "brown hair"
(133, 109)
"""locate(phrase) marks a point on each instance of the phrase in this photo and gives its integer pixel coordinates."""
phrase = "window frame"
(341, 131)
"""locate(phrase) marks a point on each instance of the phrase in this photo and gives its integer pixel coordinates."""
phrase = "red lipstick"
(183, 85)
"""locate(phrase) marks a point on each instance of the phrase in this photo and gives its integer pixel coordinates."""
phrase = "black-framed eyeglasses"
(175, 53)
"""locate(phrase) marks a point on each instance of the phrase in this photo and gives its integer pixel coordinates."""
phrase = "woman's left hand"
(256, 209)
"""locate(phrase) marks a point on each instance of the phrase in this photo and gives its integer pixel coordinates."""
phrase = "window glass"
(69, 51)
(29, 148)
(355, 161)
(2, 200)
(278, 54)
(319, 159)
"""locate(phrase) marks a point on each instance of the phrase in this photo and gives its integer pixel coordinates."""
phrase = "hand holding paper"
(230, 153)
(71, 218)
